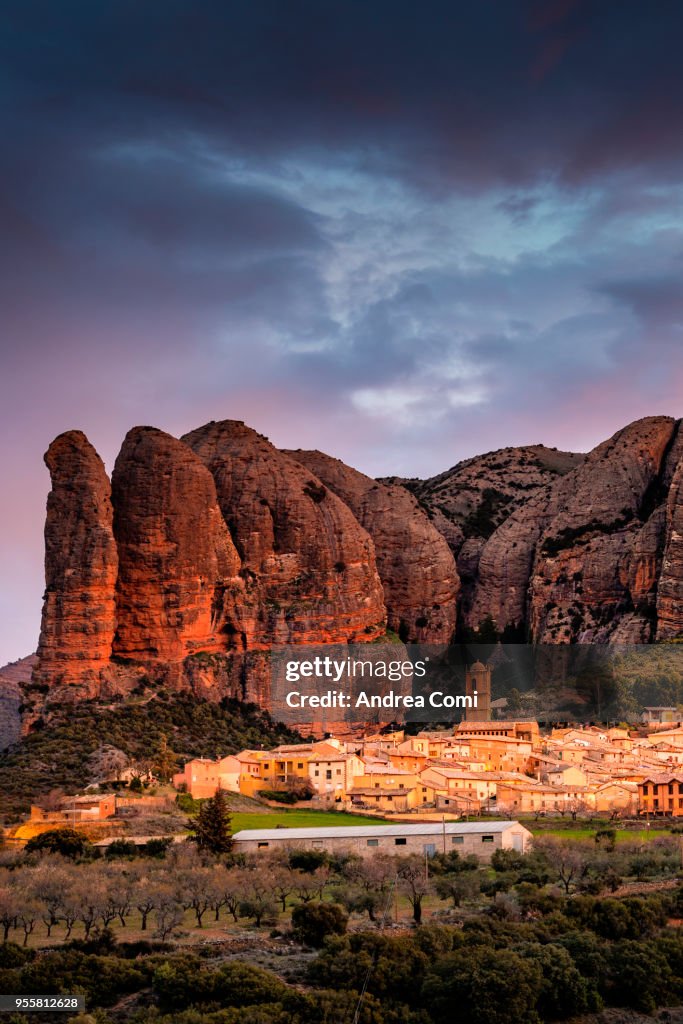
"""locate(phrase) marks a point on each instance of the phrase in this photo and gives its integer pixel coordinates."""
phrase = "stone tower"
(478, 681)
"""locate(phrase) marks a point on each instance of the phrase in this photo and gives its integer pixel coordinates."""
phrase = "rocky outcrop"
(597, 560)
(207, 551)
(474, 497)
(415, 564)
(304, 552)
(81, 565)
(15, 681)
(499, 579)
(178, 583)
(670, 591)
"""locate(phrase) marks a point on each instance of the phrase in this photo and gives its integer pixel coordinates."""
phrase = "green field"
(585, 834)
(298, 819)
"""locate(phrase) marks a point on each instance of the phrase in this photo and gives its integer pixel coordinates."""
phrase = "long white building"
(480, 838)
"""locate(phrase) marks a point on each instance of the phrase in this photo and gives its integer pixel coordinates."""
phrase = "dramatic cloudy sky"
(404, 233)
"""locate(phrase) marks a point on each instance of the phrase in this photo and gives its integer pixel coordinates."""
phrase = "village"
(482, 767)
(506, 768)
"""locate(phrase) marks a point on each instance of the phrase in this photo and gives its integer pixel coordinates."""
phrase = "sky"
(404, 234)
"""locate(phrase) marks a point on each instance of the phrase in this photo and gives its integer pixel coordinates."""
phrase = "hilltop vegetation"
(67, 751)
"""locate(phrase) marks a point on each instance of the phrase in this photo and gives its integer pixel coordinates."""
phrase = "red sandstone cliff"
(313, 564)
(178, 566)
(415, 564)
(208, 550)
(81, 566)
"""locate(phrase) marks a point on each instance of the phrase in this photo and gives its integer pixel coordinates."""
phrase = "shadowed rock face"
(414, 561)
(670, 592)
(302, 549)
(81, 564)
(595, 561)
(178, 565)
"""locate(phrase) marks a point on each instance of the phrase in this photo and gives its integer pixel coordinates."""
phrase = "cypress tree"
(213, 830)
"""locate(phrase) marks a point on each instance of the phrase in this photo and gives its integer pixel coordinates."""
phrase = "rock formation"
(178, 566)
(591, 570)
(311, 561)
(207, 551)
(474, 497)
(670, 591)
(81, 565)
(415, 564)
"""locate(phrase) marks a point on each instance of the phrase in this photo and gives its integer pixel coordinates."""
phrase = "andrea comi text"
(391, 699)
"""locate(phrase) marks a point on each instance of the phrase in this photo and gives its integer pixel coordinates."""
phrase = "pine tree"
(165, 763)
(213, 829)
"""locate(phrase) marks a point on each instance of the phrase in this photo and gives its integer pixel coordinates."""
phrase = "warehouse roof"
(375, 831)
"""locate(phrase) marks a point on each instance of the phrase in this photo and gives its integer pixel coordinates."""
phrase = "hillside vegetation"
(67, 752)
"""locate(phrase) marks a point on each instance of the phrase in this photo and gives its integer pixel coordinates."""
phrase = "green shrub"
(313, 922)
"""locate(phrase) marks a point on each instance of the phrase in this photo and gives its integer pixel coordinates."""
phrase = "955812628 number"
(51, 1004)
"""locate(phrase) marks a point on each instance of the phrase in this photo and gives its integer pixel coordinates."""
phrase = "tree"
(488, 986)
(413, 883)
(165, 762)
(10, 908)
(195, 891)
(143, 895)
(457, 887)
(213, 827)
(313, 922)
(66, 841)
(167, 910)
(49, 882)
(567, 862)
(257, 902)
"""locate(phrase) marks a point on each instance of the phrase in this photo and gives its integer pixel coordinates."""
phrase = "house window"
(338, 771)
(390, 798)
(424, 789)
(328, 774)
(266, 764)
(458, 840)
(300, 764)
(373, 842)
(316, 772)
(399, 842)
(487, 839)
(261, 845)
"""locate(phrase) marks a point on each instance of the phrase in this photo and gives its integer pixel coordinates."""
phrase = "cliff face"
(415, 564)
(670, 591)
(208, 550)
(178, 566)
(81, 566)
(311, 562)
(596, 560)
(565, 548)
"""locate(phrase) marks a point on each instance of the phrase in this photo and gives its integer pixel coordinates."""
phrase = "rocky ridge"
(205, 551)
